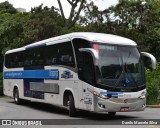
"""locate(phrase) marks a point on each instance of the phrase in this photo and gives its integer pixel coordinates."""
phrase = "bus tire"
(72, 109)
(17, 100)
(111, 113)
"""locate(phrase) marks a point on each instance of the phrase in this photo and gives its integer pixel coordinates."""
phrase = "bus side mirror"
(153, 59)
(93, 52)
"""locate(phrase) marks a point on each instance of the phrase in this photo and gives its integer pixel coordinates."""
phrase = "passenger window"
(60, 54)
(57, 54)
(14, 60)
(66, 56)
(51, 52)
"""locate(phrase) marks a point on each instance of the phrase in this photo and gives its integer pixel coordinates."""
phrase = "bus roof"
(90, 36)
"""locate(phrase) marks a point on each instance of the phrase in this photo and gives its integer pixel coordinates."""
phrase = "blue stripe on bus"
(43, 74)
(111, 93)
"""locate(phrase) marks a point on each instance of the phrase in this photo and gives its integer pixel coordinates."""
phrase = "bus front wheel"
(72, 109)
(17, 100)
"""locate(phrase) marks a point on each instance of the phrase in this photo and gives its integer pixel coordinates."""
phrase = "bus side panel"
(68, 81)
(7, 87)
(73, 87)
(88, 98)
(9, 84)
(52, 98)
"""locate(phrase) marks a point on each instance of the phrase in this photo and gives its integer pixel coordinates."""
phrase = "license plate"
(124, 109)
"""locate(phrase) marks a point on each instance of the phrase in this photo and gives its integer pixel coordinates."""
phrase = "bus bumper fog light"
(101, 105)
(144, 105)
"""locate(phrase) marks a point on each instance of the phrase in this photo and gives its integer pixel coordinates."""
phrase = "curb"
(4, 96)
(153, 106)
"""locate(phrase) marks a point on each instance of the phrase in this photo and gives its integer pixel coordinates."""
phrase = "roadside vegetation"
(138, 20)
(153, 85)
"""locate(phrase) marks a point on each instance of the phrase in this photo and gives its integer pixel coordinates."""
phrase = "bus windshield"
(119, 66)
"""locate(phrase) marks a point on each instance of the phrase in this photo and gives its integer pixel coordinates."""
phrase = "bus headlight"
(98, 94)
(104, 96)
(143, 95)
(95, 93)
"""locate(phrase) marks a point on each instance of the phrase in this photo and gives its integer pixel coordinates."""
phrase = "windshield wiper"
(125, 70)
(121, 75)
(128, 71)
(120, 78)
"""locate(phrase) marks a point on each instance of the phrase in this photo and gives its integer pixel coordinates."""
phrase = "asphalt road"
(33, 110)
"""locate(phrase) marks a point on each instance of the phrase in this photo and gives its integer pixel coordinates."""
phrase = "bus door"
(86, 74)
(84, 65)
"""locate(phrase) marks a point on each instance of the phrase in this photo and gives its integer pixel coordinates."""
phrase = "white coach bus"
(79, 71)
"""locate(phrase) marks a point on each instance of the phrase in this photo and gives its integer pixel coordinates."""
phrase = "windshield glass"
(119, 66)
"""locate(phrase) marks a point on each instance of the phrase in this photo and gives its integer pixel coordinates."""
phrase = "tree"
(44, 23)
(135, 19)
(153, 84)
(11, 26)
(17, 30)
(73, 17)
(151, 24)
(6, 7)
(127, 17)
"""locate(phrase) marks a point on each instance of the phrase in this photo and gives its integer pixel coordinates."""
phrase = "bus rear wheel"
(72, 109)
(17, 100)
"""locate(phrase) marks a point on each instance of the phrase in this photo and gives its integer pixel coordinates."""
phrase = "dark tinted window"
(58, 54)
(84, 60)
(87, 68)
(34, 57)
(14, 60)
(51, 53)
(80, 43)
(65, 53)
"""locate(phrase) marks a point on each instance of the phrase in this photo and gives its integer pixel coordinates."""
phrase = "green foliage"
(20, 29)
(10, 28)
(42, 23)
(6, 7)
(138, 20)
(153, 84)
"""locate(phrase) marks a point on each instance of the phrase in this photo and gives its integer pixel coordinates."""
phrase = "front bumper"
(116, 104)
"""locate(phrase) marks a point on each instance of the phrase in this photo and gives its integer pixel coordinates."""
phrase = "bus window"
(14, 60)
(60, 54)
(28, 58)
(87, 69)
(65, 53)
(51, 54)
(80, 57)
(8, 60)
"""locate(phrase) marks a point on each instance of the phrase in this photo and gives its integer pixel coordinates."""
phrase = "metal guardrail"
(159, 97)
